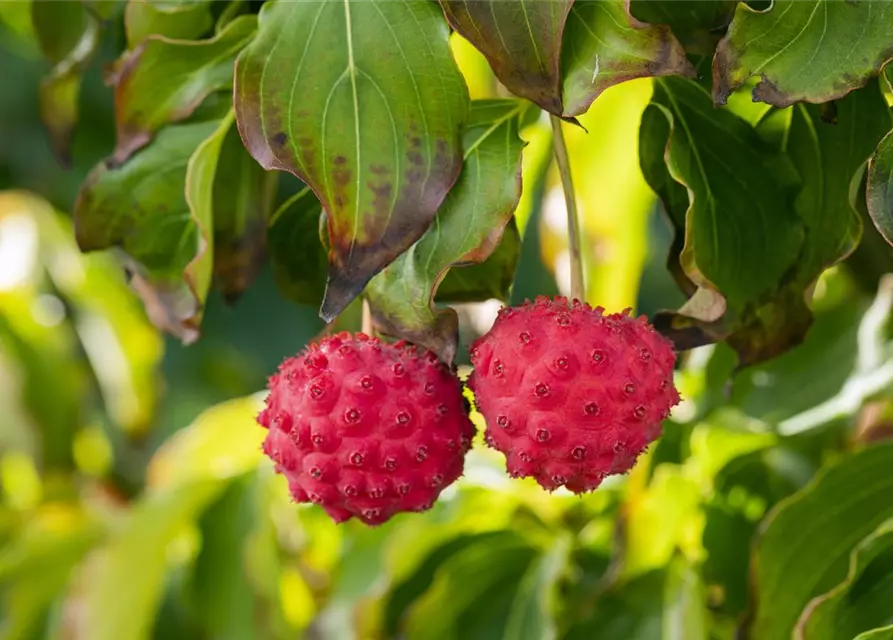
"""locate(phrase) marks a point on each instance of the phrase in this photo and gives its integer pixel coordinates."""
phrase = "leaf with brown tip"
(363, 101)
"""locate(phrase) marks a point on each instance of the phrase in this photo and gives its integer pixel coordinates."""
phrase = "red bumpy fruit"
(366, 429)
(571, 395)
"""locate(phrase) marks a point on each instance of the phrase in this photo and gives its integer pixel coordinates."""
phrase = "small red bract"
(366, 429)
(570, 394)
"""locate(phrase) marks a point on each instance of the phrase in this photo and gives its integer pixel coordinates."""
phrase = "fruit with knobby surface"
(571, 394)
(366, 429)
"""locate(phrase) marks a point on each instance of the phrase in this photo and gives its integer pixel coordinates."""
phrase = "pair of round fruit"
(570, 395)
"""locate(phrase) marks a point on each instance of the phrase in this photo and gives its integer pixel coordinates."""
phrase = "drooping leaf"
(175, 20)
(806, 540)
(162, 81)
(813, 211)
(467, 229)
(378, 136)
(728, 225)
(201, 172)
(604, 45)
(69, 36)
(243, 197)
(141, 207)
(862, 601)
(698, 24)
(521, 40)
(879, 194)
(813, 51)
(295, 244)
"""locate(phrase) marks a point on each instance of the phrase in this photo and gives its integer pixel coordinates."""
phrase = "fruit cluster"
(368, 429)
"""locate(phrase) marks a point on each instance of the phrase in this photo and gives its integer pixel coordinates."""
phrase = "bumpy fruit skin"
(571, 395)
(366, 429)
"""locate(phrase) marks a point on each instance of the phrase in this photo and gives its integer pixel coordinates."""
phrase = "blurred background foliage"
(136, 504)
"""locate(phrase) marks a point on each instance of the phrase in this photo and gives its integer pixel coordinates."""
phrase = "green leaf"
(604, 46)
(174, 20)
(201, 172)
(223, 442)
(243, 198)
(69, 36)
(141, 207)
(474, 594)
(764, 314)
(880, 188)
(661, 604)
(533, 611)
(806, 540)
(521, 40)
(221, 594)
(491, 279)
(37, 564)
(296, 250)
(729, 225)
(378, 136)
(697, 23)
(813, 50)
(130, 570)
(862, 601)
(467, 229)
(163, 81)
(884, 633)
(121, 347)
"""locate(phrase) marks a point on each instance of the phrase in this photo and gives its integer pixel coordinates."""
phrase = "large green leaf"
(604, 45)
(141, 207)
(243, 197)
(69, 36)
(808, 218)
(803, 50)
(884, 633)
(466, 230)
(375, 132)
(521, 40)
(175, 20)
(862, 601)
(163, 81)
(696, 23)
(880, 188)
(729, 224)
(296, 250)
(806, 540)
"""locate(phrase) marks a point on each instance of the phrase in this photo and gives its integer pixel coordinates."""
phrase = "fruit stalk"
(366, 326)
(578, 291)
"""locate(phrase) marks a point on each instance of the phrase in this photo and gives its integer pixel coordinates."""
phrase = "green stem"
(578, 292)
